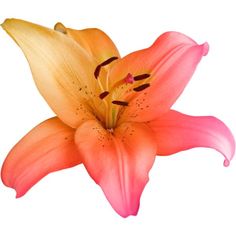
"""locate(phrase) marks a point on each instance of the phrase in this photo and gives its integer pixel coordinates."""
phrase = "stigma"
(129, 79)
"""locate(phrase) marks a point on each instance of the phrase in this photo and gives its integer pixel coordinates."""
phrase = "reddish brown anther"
(141, 77)
(141, 87)
(121, 103)
(98, 68)
(104, 94)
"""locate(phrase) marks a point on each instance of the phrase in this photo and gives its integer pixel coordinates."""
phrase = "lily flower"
(113, 114)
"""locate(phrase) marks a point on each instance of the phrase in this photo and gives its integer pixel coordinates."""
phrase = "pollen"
(121, 103)
(141, 77)
(97, 71)
(104, 94)
(141, 87)
(107, 62)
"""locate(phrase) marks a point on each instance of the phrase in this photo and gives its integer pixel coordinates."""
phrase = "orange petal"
(47, 148)
(94, 41)
(170, 61)
(119, 162)
(176, 132)
(62, 70)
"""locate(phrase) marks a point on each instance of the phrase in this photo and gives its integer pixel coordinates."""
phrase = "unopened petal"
(118, 161)
(94, 41)
(62, 70)
(47, 148)
(176, 132)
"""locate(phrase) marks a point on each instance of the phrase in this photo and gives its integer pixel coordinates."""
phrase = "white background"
(189, 193)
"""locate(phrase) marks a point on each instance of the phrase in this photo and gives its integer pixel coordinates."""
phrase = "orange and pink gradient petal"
(170, 62)
(175, 132)
(47, 148)
(118, 162)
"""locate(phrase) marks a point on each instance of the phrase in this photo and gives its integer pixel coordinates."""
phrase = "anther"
(121, 103)
(60, 28)
(108, 61)
(104, 94)
(97, 71)
(141, 77)
(141, 87)
(98, 68)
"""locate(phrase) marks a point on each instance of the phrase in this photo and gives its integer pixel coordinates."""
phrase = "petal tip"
(7, 21)
(205, 47)
(60, 27)
(4, 23)
(127, 213)
(20, 191)
(226, 163)
(18, 195)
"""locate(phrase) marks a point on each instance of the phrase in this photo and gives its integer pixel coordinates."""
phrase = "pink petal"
(176, 132)
(170, 61)
(47, 148)
(119, 162)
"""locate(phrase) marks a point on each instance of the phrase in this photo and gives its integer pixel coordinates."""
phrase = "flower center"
(117, 97)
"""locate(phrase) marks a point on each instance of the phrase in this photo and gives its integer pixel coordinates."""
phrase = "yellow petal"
(93, 40)
(62, 70)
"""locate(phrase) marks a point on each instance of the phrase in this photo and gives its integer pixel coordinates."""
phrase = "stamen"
(141, 77)
(129, 79)
(60, 28)
(121, 103)
(97, 71)
(104, 94)
(141, 87)
(108, 61)
(98, 68)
